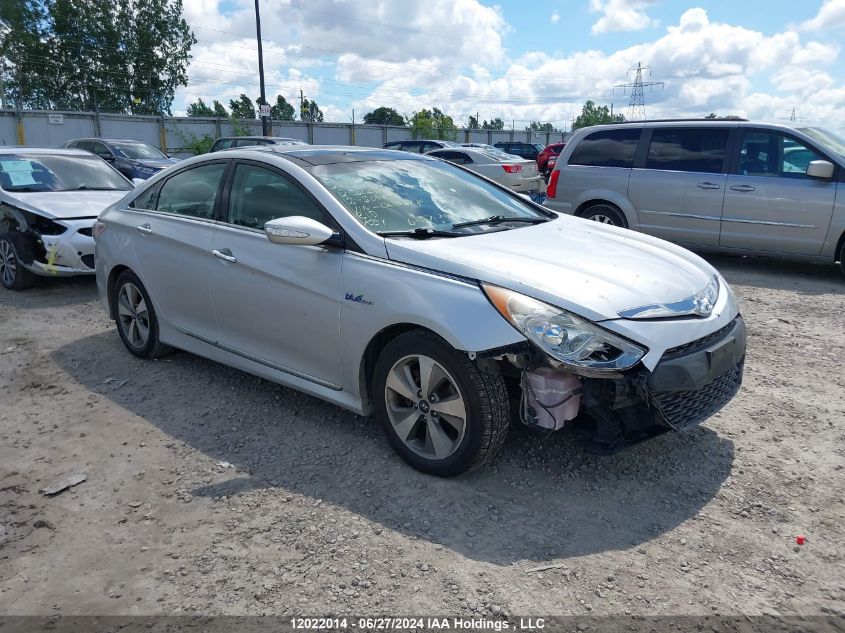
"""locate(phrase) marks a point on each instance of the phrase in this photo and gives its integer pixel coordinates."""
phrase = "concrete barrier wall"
(39, 128)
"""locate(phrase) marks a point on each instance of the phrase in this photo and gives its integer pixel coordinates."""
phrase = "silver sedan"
(402, 285)
(513, 172)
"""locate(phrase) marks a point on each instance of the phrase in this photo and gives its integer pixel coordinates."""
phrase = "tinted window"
(459, 158)
(411, 146)
(260, 195)
(246, 142)
(608, 148)
(58, 172)
(192, 192)
(223, 143)
(101, 150)
(393, 146)
(146, 200)
(772, 154)
(88, 146)
(688, 149)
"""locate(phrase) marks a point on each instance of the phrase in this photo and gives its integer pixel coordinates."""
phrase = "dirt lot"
(211, 491)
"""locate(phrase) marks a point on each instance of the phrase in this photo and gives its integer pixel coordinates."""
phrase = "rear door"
(678, 190)
(173, 228)
(770, 203)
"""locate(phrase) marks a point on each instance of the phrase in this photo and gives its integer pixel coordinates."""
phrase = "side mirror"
(821, 169)
(297, 230)
(138, 181)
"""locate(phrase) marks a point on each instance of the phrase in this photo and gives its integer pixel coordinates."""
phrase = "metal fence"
(41, 128)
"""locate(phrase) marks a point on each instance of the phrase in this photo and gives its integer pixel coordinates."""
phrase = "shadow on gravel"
(52, 292)
(544, 498)
(779, 274)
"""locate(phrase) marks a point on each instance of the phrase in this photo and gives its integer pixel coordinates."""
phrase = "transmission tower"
(636, 105)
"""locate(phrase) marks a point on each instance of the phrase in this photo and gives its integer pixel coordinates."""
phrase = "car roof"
(261, 138)
(661, 123)
(109, 140)
(330, 154)
(43, 151)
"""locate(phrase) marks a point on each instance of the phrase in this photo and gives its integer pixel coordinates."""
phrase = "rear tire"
(604, 214)
(12, 273)
(442, 413)
(135, 317)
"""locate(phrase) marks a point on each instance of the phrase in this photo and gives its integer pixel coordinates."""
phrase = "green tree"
(112, 55)
(473, 123)
(219, 110)
(242, 108)
(591, 114)
(432, 124)
(494, 124)
(384, 116)
(310, 112)
(198, 108)
(727, 117)
(282, 110)
(536, 126)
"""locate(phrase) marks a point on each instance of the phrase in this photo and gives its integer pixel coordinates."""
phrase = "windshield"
(137, 151)
(33, 173)
(826, 138)
(403, 195)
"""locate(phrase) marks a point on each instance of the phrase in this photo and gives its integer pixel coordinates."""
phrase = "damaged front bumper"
(68, 253)
(690, 383)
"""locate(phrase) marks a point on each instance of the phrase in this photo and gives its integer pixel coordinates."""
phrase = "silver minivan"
(730, 186)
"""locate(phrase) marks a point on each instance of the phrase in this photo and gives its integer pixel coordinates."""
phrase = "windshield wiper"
(420, 233)
(499, 219)
(90, 188)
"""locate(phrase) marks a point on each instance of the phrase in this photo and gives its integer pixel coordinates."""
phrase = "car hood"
(66, 204)
(156, 164)
(588, 268)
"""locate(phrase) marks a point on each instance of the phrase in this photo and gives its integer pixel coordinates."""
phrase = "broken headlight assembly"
(564, 336)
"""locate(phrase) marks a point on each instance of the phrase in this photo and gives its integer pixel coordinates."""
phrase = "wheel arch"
(581, 208)
(839, 246)
(114, 273)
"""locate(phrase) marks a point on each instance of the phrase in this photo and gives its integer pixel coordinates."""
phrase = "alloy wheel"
(8, 263)
(133, 316)
(425, 406)
(601, 218)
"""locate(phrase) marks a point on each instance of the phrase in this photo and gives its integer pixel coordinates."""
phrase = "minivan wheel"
(136, 318)
(439, 410)
(12, 273)
(604, 214)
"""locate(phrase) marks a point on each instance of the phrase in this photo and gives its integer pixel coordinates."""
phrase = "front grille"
(701, 343)
(88, 260)
(686, 408)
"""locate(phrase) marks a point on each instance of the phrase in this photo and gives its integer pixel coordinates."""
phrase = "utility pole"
(264, 119)
(636, 105)
(301, 106)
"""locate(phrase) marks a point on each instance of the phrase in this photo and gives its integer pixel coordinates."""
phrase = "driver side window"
(192, 192)
(259, 195)
(772, 154)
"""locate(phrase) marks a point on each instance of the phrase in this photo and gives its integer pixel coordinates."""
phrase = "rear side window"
(192, 192)
(247, 142)
(608, 148)
(223, 143)
(688, 149)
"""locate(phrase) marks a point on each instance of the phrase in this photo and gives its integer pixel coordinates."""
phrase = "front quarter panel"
(378, 294)
(113, 248)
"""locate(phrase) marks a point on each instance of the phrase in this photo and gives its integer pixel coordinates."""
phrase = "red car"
(548, 151)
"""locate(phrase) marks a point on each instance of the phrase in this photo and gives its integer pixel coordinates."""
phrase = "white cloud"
(831, 15)
(621, 15)
(555, 17)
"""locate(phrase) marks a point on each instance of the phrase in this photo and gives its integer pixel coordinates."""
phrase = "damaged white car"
(398, 284)
(49, 201)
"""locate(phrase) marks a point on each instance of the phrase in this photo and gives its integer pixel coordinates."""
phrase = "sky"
(522, 61)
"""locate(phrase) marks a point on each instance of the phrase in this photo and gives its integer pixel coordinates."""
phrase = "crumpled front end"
(60, 247)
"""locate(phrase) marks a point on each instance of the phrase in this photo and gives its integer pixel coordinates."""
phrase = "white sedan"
(49, 201)
(516, 173)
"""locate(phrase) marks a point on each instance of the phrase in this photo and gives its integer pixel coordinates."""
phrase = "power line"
(636, 105)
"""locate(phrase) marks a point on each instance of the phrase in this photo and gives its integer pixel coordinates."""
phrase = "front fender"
(380, 294)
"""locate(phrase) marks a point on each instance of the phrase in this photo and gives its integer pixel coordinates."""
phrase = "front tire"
(604, 214)
(12, 273)
(440, 411)
(135, 317)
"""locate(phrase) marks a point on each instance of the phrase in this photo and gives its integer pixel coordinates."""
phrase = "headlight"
(564, 336)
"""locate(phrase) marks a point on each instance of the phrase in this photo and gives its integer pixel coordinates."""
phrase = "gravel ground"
(210, 491)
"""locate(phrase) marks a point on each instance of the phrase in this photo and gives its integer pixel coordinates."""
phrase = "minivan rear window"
(608, 148)
(688, 149)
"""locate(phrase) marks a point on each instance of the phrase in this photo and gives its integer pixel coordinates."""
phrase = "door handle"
(225, 255)
(743, 188)
(144, 228)
(708, 185)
